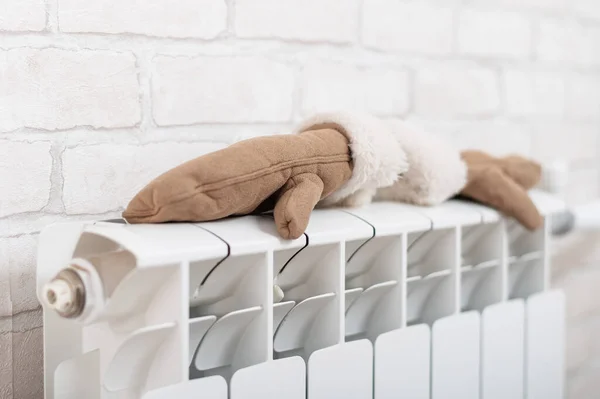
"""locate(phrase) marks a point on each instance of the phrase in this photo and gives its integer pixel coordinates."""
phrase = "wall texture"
(97, 97)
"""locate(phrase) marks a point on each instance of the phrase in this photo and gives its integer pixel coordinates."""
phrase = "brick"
(6, 324)
(6, 372)
(308, 20)
(586, 47)
(407, 26)
(332, 86)
(19, 258)
(28, 320)
(60, 89)
(554, 39)
(18, 275)
(587, 8)
(23, 15)
(534, 94)
(583, 97)
(571, 142)
(104, 177)
(456, 91)
(223, 89)
(497, 138)
(28, 364)
(5, 302)
(434, 126)
(525, 4)
(203, 19)
(24, 168)
(494, 33)
(568, 41)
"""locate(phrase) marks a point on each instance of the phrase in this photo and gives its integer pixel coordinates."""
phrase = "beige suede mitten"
(330, 158)
(502, 183)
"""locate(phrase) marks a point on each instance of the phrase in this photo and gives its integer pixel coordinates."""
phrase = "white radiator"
(387, 301)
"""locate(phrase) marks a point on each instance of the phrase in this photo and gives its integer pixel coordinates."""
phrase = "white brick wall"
(412, 26)
(19, 259)
(586, 46)
(98, 97)
(6, 373)
(23, 15)
(526, 4)
(494, 33)
(221, 89)
(118, 171)
(456, 91)
(587, 8)
(24, 167)
(499, 138)
(59, 89)
(308, 20)
(581, 188)
(583, 97)
(203, 19)
(381, 91)
(534, 94)
(571, 142)
(558, 39)
(568, 41)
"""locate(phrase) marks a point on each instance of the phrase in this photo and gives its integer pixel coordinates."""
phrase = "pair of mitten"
(335, 159)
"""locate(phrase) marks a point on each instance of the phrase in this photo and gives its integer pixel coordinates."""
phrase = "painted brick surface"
(534, 94)
(306, 20)
(203, 19)
(380, 91)
(59, 89)
(221, 89)
(98, 97)
(456, 91)
(493, 33)
(23, 16)
(412, 26)
(24, 167)
(119, 171)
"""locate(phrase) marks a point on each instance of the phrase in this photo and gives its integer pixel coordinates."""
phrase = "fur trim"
(436, 170)
(378, 158)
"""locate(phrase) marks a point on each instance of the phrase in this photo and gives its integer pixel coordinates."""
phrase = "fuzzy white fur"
(377, 156)
(436, 171)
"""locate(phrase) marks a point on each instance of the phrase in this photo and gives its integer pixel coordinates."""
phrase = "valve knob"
(65, 293)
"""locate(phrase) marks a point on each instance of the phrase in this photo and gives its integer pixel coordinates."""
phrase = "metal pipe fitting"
(65, 293)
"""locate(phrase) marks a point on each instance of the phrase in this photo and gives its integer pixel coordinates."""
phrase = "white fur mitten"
(377, 157)
(435, 173)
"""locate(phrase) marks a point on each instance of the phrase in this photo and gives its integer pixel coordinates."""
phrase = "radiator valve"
(65, 293)
(76, 292)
